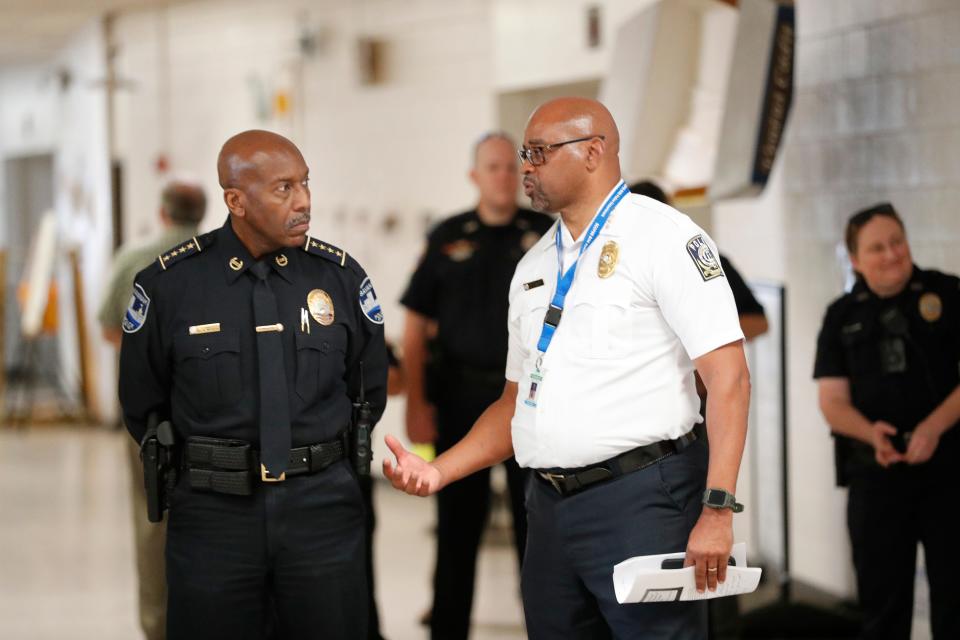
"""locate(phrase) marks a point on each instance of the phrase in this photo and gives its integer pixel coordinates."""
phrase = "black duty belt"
(570, 481)
(233, 466)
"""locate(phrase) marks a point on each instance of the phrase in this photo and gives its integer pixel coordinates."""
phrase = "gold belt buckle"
(266, 477)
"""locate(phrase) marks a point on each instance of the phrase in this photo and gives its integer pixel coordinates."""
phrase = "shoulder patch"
(179, 252)
(704, 258)
(136, 314)
(369, 303)
(324, 250)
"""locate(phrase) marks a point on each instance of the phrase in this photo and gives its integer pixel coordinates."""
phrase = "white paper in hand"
(641, 579)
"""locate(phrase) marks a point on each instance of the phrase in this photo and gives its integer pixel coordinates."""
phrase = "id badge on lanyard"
(564, 281)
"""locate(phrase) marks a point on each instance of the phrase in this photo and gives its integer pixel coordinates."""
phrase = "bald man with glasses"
(610, 313)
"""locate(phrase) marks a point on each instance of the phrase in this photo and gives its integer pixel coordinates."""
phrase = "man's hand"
(421, 421)
(708, 548)
(883, 449)
(923, 444)
(412, 473)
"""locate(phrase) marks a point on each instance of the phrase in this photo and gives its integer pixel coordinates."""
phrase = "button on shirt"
(619, 371)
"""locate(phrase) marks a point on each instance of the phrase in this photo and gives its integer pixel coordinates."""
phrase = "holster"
(158, 453)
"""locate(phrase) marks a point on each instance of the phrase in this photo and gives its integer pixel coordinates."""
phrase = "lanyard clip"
(553, 316)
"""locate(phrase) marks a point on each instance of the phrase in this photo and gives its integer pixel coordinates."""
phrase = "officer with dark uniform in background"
(255, 341)
(886, 367)
(461, 284)
(182, 205)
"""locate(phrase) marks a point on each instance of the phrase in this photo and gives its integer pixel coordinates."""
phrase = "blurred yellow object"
(50, 319)
(425, 451)
(281, 103)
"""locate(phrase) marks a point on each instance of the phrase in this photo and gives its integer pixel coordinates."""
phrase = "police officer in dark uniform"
(886, 366)
(255, 340)
(461, 284)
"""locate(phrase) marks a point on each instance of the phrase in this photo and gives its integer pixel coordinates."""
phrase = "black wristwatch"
(721, 499)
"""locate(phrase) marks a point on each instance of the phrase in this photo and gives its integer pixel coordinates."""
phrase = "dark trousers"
(888, 513)
(373, 615)
(574, 543)
(462, 510)
(294, 549)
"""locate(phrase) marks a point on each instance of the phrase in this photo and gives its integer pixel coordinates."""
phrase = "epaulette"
(191, 247)
(324, 250)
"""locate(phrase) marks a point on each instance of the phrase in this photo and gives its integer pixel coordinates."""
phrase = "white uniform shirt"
(618, 373)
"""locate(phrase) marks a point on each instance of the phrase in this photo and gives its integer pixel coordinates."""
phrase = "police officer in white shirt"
(610, 313)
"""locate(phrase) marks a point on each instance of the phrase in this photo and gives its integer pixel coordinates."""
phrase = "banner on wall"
(759, 96)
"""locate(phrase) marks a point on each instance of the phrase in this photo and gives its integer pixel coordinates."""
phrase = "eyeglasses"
(537, 155)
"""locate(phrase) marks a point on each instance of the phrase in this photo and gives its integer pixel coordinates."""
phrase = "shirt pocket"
(601, 319)
(534, 309)
(860, 350)
(321, 362)
(208, 369)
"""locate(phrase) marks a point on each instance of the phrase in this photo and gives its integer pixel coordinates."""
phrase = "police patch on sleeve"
(136, 313)
(704, 258)
(369, 302)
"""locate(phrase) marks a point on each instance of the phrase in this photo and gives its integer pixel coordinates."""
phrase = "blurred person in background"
(182, 205)
(886, 370)
(461, 285)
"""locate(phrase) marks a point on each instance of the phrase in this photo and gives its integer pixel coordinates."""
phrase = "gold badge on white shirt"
(608, 259)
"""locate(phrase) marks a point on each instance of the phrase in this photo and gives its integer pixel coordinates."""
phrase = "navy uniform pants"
(888, 513)
(291, 555)
(462, 510)
(574, 542)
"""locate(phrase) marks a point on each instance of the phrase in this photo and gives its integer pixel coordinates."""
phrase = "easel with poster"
(39, 327)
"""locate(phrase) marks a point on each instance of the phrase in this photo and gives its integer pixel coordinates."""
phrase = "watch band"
(726, 500)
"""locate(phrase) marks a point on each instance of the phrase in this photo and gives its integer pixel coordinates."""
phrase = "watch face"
(716, 496)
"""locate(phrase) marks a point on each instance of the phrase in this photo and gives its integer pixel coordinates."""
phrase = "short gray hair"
(496, 134)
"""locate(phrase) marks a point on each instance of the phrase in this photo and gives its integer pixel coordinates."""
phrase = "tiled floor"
(66, 556)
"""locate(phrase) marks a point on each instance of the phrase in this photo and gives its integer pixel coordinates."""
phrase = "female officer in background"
(887, 372)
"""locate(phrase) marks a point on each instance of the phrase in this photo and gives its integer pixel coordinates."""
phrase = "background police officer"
(182, 205)
(599, 397)
(461, 285)
(886, 366)
(254, 340)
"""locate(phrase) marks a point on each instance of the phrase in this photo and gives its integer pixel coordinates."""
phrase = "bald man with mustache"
(610, 313)
(254, 341)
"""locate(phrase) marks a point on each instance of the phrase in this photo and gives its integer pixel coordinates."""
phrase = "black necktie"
(274, 409)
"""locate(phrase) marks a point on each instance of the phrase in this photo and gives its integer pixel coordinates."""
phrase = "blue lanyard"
(565, 280)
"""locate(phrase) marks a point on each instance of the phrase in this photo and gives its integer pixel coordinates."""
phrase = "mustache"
(303, 218)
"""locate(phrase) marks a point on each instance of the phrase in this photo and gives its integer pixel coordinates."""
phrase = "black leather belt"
(570, 481)
(232, 466)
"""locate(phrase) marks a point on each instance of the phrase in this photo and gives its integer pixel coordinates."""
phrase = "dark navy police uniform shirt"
(463, 282)
(205, 379)
(901, 356)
